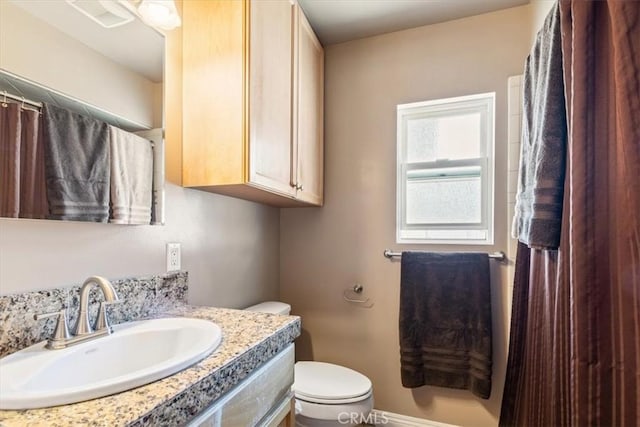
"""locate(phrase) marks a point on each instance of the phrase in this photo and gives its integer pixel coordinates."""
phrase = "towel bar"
(498, 256)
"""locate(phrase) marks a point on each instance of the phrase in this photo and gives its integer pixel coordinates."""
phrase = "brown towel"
(445, 321)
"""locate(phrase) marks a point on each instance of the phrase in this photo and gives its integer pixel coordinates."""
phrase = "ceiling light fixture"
(159, 13)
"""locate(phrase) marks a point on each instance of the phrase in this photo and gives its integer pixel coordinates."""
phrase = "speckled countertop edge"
(249, 339)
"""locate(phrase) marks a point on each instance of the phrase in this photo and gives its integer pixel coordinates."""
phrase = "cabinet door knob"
(299, 187)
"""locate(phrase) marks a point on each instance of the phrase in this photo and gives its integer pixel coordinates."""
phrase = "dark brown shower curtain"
(10, 160)
(574, 352)
(22, 180)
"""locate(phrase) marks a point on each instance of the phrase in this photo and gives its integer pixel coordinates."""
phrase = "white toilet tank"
(273, 307)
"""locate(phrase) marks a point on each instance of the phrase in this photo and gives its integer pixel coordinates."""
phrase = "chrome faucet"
(83, 332)
(83, 327)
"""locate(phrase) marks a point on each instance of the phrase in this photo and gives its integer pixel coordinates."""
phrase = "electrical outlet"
(173, 256)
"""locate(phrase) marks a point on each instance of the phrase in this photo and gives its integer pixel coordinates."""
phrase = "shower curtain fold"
(22, 185)
(10, 160)
(33, 192)
(574, 353)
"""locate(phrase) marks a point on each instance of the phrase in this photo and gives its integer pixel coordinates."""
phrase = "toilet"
(326, 394)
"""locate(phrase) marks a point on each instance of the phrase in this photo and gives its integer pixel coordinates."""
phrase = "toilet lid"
(319, 381)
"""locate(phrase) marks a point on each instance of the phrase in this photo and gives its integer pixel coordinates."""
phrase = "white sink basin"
(137, 353)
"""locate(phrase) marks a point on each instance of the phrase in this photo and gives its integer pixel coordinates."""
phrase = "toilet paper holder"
(357, 289)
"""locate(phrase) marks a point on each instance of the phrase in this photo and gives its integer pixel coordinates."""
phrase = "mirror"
(54, 53)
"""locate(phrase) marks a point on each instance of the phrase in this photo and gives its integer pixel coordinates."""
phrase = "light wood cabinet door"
(271, 45)
(309, 139)
(244, 95)
(209, 50)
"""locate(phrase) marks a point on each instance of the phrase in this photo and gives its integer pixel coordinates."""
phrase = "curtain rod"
(498, 256)
(17, 98)
(4, 95)
(93, 110)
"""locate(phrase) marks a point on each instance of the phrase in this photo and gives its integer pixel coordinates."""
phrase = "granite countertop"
(248, 340)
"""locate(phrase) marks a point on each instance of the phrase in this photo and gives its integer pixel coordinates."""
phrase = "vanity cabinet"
(263, 399)
(247, 108)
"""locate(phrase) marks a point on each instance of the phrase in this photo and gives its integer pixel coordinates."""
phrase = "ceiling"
(336, 21)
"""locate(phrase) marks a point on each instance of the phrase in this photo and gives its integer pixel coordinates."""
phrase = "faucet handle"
(102, 320)
(61, 333)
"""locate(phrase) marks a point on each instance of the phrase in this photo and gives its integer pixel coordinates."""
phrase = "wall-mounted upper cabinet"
(245, 101)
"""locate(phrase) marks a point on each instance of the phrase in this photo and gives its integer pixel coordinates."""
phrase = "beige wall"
(229, 247)
(325, 251)
(37, 51)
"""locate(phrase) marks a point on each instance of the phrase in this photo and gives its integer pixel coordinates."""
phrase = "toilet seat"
(320, 411)
(333, 401)
(326, 383)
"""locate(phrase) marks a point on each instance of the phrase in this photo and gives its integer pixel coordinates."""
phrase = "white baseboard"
(389, 419)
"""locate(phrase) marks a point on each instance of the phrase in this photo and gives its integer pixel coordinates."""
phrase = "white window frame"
(460, 234)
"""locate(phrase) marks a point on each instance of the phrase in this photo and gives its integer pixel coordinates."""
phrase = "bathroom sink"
(137, 353)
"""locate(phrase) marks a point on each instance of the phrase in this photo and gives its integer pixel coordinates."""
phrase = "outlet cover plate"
(173, 256)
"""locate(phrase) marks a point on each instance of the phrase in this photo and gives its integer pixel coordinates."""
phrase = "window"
(445, 171)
